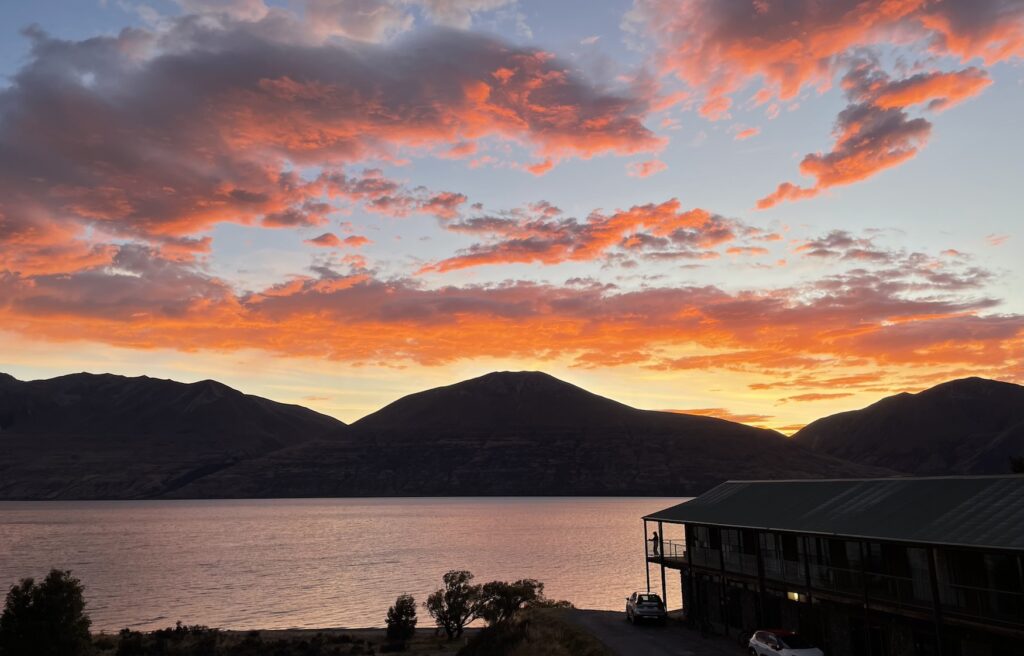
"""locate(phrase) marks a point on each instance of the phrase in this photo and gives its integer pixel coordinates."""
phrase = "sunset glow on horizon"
(759, 210)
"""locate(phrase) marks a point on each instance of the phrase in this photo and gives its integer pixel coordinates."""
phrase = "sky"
(762, 210)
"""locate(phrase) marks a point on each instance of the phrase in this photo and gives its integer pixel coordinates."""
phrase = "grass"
(536, 632)
(204, 641)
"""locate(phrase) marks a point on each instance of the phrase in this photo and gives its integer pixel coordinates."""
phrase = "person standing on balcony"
(656, 539)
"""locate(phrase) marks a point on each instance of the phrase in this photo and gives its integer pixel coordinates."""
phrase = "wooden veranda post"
(647, 564)
(661, 557)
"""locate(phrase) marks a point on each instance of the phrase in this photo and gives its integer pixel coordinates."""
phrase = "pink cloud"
(746, 133)
(646, 168)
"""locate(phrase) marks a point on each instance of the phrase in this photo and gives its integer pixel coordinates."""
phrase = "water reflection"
(320, 562)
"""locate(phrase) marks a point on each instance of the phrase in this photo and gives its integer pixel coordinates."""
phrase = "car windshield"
(794, 642)
(648, 599)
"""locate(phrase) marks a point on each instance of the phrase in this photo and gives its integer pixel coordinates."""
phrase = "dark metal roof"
(978, 511)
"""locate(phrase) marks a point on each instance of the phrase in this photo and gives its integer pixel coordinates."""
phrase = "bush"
(104, 643)
(401, 619)
(47, 619)
(534, 632)
(131, 643)
(500, 600)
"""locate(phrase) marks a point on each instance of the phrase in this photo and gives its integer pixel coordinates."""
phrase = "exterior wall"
(984, 589)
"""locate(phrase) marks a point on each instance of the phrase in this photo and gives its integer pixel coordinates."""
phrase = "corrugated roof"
(981, 511)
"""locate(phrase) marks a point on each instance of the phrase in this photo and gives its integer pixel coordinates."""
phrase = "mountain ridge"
(522, 433)
(88, 435)
(964, 426)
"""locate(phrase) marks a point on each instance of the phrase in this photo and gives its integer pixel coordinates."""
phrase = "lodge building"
(880, 567)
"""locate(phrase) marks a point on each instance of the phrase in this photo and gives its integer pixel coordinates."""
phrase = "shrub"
(47, 619)
(401, 619)
(104, 643)
(534, 632)
(500, 600)
(131, 643)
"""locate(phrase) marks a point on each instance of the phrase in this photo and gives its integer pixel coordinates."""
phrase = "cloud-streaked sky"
(757, 209)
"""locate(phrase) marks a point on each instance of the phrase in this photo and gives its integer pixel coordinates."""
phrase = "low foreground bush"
(534, 632)
(401, 620)
(45, 619)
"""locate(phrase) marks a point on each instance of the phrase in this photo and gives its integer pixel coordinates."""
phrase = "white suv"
(645, 606)
(776, 642)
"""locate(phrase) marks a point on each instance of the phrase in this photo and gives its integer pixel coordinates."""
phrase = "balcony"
(740, 563)
(673, 552)
(1004, 605)
(786, 571)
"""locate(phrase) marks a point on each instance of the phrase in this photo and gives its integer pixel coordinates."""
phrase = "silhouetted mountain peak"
(501, 398)
(973, 386)
(105, 435)
(515, 379)
(969, 425)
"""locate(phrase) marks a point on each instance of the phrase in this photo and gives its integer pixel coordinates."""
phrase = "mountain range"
(505, 433)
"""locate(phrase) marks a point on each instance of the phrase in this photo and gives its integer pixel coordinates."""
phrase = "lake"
(308, 563)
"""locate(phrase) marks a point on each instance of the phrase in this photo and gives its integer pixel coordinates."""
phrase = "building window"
(782, 554)
(982, 584)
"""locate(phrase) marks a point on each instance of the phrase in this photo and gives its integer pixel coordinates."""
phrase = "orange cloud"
(723, 47)
(717, 108)
(540, 168)
(817, 396)
(646, 168)
(747, 133)
(722, 413)
(872, 137)
(356, 241)
(940, 90)
(217, 116)
(900, 313)
(747, 250)
(540, 235)
(326, 240)
(331, 240)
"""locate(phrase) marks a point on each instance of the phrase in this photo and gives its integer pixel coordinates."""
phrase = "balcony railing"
(740, 563)
(706, 557)
(983, 602)
(788, 571)
(674, 550)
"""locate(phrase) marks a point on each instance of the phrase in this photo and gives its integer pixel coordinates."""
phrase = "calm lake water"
(286, 563)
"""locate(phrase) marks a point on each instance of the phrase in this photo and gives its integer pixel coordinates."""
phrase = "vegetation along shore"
(49, 618)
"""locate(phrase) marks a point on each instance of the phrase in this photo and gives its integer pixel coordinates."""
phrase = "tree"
(47, 619)
(401, 619)
(456, 604)
(1017, 464)
(500, 600)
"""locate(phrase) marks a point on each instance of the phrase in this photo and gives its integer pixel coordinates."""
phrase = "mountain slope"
(106, 436)
(522, 433)
(967, 426)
